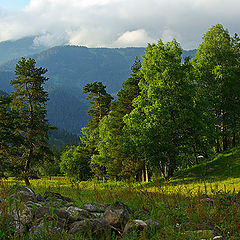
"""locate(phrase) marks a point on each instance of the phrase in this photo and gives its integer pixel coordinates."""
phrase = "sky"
(115, 23)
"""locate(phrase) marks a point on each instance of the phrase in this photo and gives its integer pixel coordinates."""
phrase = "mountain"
(72, 67)
(18, 48)
(2, 93)
(66, 111)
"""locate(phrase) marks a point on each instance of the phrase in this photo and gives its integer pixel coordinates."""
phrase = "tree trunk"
(146, 173)
(143, 178)
(26, 180)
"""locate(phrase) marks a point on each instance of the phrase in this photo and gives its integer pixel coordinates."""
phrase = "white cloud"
(119, 23)
(168, 35)
(134, 38)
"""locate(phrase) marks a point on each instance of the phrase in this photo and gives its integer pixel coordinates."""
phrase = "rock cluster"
(52, 212)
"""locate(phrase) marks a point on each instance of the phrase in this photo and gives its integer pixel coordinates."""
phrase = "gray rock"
(118, 215)
(40, 198)
(57, 196)
(33, 204)
(92, 228)
(218, 237)
(54, 213)
(134, 225)
(152, 223)
(138, 226)
(22, 215)
(78, 214)
(95, 207)
(44, 230)
(24, 194)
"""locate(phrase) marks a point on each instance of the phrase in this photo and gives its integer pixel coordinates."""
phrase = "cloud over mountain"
(118, 23)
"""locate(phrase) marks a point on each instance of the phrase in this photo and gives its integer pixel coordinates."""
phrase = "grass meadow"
(177, 205)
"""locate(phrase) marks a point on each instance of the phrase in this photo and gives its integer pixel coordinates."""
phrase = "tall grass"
(177, 206)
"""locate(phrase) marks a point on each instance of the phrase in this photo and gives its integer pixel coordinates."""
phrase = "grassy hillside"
(221, 167)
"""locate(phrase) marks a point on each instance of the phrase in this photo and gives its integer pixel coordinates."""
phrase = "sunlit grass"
(175, 202)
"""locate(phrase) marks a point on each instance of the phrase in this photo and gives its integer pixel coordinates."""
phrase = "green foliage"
(217, 70)
(75, 163)
(60, 138)
(10, 139)
(165, 123)
(100, 102)
(29, 100)
(114, 146)
(70, 68)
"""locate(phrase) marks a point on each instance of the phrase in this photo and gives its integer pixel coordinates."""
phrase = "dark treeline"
(168, 115)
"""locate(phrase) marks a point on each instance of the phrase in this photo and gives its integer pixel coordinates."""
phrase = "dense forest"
(170, 114)
(70, 68)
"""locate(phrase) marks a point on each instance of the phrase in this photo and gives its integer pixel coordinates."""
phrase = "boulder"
(218, 237)
(118, 215)
(138, 226)
(44, 230)
(152, 223)
(22, 215)
(91, 228)
(134, 226)
(24, 194)
(78, 214)
(95, 207)
(51, 212)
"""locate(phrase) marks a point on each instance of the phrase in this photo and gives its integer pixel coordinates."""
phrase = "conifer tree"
(29, 100)
(100, 105)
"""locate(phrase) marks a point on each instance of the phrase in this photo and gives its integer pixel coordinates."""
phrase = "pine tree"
(29, 99)
(100, 102)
